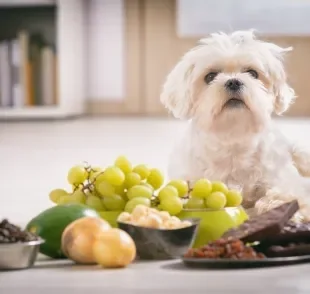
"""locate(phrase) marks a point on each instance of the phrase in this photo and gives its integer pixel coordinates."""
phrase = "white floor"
(35, 156)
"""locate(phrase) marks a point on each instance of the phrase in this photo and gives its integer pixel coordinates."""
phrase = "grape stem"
(87, 186)
(189, 190)
(155, 201)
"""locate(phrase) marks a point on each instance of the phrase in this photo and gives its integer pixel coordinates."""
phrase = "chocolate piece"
(286, 251)
(291, 232)
(265, 225)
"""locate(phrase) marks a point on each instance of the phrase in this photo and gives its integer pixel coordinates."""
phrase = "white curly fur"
(237, 145)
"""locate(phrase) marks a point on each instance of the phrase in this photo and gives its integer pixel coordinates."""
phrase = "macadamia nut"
(152, 218)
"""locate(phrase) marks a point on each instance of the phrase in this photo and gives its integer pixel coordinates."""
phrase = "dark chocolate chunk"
(265, 225)
(291, 232)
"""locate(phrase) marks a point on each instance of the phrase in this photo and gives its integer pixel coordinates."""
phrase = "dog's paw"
(274, 198)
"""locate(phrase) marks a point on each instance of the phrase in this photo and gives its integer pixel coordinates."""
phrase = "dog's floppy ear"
(176, 95)
(284, 94)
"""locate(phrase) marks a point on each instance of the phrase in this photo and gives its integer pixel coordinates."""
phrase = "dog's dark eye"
(210, 77)
(253, 73)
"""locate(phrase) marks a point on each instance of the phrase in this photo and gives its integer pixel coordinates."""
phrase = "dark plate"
(248, 263)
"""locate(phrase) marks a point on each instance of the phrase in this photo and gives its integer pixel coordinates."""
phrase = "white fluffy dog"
(228, 87)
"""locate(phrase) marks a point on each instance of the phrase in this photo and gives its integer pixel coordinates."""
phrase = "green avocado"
(51, 223)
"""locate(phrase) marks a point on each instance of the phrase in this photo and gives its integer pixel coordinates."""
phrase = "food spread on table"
(112, 216)
(262, 228)
(122, 186)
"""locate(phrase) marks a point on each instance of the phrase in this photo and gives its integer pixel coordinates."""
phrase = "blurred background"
(80, 81)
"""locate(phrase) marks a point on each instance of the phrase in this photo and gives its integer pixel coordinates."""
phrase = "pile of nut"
(10, 233)
(225, 248)
(152, 218)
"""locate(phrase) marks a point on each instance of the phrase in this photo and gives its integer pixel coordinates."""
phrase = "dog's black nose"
(233, 85)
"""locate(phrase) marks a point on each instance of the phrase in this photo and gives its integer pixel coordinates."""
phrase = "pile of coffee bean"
(229, 248)
(10, 233)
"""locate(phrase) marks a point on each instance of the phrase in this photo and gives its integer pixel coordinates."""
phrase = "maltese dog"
(228, 88)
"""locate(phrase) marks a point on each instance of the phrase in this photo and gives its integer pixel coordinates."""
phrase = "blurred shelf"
(12, 3)
(69, 25)
(35, 112)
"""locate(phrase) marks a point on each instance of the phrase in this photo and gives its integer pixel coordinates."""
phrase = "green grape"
(104, 189)
(168, 191)
(94, 172)
(173, 205)
(103, 207)
(114, 202)
(148, 185)
(139, 191)
(218, 186)
(55, 194)
(195, 203)
(233, 198)
(181, 186)
(102, 210)
(120, 190)
(216, 200)
(131, 204)
(124, 164)
(158, 207)
(92, 193)
(64, 199)
(142, 170)
(94, 203)
(94, 176)
(132, 179)
(124, 197)
(113, 175)
(155, 178)
(78, 197)
(77, 175)
(99, 177)
(202, 188)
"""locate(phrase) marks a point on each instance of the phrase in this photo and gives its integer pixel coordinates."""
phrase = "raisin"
(225, 248)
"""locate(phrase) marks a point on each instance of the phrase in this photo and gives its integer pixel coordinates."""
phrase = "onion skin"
(114, 249)
(79, 236)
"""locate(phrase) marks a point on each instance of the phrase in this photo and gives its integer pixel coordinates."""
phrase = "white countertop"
(153, 277)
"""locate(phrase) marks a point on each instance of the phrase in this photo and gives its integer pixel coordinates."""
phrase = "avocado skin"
(51, 223)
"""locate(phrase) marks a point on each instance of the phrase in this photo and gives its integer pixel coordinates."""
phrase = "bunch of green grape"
(119, 187)
(122, 186)
(213, 195)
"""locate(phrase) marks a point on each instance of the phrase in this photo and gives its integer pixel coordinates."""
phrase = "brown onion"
(114, 249)
(78, 238)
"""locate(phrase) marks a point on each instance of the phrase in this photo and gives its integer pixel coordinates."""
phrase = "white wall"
(105, 50)
(196, 18)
